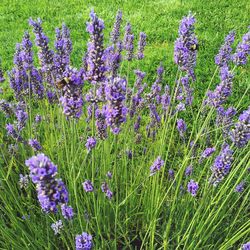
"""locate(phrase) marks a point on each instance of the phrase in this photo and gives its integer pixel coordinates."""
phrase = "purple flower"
(90, 144)
(240, 135)
(113, 57)
(115, 34)
(181, 127)
(94, 59)
(72, 100)
(141, 46)
(192, 187)
(240, 187)
(11, 131)
(243, 50)
(185, 49)
(115, 110)
(101, 125)
(224, 55)
(246, 246)
(222, 165)
(105, 189)
(38, 118)
(27, 53)
(83, 241)
(207, 153)
(224, 119)
(35, 144)
(67, 211)
(157, 165)
(188, 170)
(63, 47)
(88, 186)
(129, 42)
(223, 90)
(22, 117)
(129, 154)
(57, 227)
(51, 191)
(6, 108)
(45, 55)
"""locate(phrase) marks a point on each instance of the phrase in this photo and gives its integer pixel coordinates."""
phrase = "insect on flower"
(63, 82)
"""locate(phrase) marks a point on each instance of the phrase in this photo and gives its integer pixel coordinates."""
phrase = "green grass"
(146, 212)
(159, 19)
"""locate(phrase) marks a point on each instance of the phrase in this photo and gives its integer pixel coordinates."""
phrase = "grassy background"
(159, 19)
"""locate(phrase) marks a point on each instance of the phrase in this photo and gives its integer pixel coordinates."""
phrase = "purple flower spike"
(223, 90)
(243, 50)
(88, 186)
(34, 143)
(224, 55)
(240, 135)
(207, 153)
(141, 46)
(105, 189)
(222, 165)
(94, 59)
(51, 191)
(115, 34)
(181, 126)
(115, 110)
(83, 241)
(192, 187)
(188, 171)
(157, 165)
(240, 187)
(185, 49)
(67, 211)
(91, 143)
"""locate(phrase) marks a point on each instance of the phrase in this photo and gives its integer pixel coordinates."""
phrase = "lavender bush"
(140, 166)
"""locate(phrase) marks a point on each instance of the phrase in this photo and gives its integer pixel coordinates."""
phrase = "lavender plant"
(143, 164)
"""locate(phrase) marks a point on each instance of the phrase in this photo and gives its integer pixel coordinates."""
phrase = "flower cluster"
(90, 144)
(72, 100)
(94, 60)
(45, 54)
(223, 90)
(185, 49)
(192, 187)
(181, 127)
(224, 55)
(222, 165)
(115, 110)
(51, 191)
(224, 119)
(240, 135)
(115, 34)
(84, 241)
(243, 50)
(157, 165)
(34, 143)
(88, 186)
(105, 189)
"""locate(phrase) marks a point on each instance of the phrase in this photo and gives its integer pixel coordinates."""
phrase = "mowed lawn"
(159, 19)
